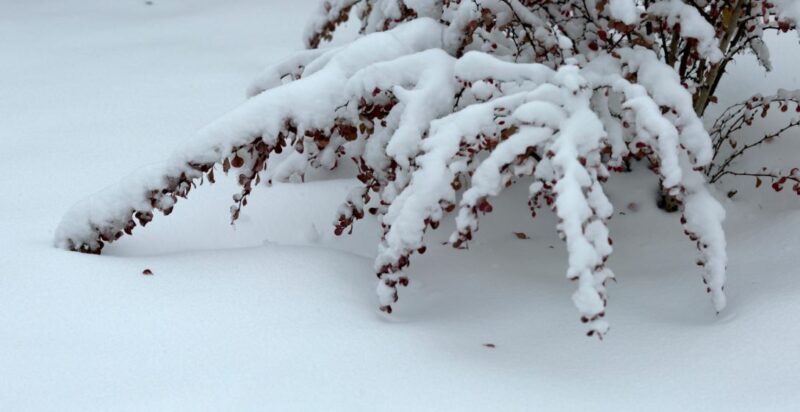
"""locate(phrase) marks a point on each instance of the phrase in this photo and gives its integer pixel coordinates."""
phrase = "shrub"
(443, 104)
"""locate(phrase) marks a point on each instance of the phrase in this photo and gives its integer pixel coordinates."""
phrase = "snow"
(275, 313)
(309, 104)
(692, 25)
(624, 11)
(789, 9)
(431, 74)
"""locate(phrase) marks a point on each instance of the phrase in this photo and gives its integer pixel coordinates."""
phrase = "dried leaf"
(237, 161)
(508, 132)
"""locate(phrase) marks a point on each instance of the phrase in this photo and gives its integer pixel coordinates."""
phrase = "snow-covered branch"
(443, 104)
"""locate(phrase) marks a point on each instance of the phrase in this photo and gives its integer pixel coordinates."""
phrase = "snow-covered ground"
(277, 314)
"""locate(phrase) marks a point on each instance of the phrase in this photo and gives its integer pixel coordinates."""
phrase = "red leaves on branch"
(484, 206)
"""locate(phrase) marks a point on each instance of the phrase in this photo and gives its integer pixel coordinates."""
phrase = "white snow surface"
(625, 11)
(277, 314)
